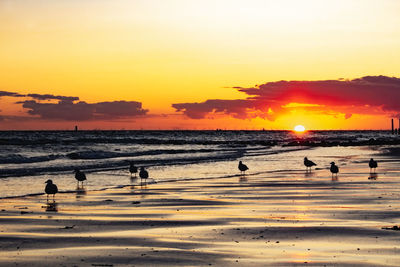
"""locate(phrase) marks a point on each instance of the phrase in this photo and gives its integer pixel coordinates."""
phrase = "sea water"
(29, 158)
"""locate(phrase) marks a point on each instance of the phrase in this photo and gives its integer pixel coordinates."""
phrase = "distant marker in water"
(392, 127)
(308, 163)
(76, 128)
(242, 167)
(334, 169)
(50, 189)
(372, 165)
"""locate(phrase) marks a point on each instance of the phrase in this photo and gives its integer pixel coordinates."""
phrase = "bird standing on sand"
(308, 163)
(79, 176)
(132, 169)
(372, 165)
(143, 174)
(242, 167)
(334, 169)
(50, 189)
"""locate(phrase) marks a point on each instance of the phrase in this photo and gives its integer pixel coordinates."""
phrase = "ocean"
(29, 158)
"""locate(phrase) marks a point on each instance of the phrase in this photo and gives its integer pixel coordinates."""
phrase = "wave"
(94, 161)
(17, 158)
(99, 154)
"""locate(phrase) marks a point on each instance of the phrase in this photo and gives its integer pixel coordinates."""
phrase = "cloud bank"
(68, 109)
(366, 95)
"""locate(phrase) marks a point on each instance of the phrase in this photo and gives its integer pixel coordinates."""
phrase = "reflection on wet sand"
(51, 206)
(309, 174)
(373, 176)
(242, 179)
(80, 192)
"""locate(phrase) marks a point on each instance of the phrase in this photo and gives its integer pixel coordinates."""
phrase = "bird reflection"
(308, 174)
(132, 187)
(51, 206)
(242, 178)
(80, 191)
(373, 176)
(143, 190)
(335, 179)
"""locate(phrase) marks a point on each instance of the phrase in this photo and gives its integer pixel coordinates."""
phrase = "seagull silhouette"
(334, 169)
(372, 165)
(143, 174)
(80, 176)
(132, 169)
(308, 163)
(242, 167)
(50, 189)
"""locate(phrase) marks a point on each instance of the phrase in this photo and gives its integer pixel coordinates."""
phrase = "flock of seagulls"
(51, 188)
(334, 169)
(143, 174)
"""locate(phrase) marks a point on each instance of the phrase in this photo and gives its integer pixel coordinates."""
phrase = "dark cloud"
(117, 109)
(68, 109)
(369, 94)
(80, 111)
(235, 108)
(48, 97)
(5, 93)
(39, 96)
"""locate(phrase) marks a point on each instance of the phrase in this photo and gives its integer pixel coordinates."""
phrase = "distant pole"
(399, 127)
(76, 127)
(392, 127)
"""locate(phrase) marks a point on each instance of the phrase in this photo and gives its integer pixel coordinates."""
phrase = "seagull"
(372, 165)
(308, 163)
(334, 169)
(143, 174)
(50, 189)
(242, 167)
(79, 176)
(132, 169)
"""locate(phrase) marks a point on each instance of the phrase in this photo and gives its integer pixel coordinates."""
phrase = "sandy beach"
(265, 218)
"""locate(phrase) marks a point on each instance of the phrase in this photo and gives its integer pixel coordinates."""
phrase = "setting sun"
(299, 128)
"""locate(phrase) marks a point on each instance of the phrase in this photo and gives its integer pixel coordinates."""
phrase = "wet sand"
(281, 218)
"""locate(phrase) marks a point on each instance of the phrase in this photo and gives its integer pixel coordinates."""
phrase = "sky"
(184, 64)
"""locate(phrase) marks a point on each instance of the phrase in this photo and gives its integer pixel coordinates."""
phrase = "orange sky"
(166, 52)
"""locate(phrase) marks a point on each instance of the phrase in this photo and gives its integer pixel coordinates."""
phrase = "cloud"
(366, 95)
(81, 111)
(68, 109)
(12, 94)
(235, 108)
(39, 96)
(48, 97)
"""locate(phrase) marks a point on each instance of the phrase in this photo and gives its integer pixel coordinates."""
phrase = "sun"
(299, 128)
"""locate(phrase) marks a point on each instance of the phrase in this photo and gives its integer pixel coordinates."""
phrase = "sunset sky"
(183, 64)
